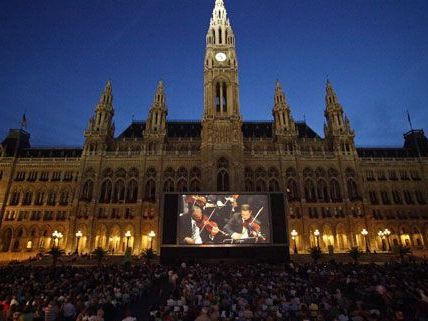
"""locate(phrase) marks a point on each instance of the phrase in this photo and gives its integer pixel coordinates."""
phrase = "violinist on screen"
(242, 224)
(196, 228)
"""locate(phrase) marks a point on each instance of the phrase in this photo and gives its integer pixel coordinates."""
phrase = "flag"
(24, 121)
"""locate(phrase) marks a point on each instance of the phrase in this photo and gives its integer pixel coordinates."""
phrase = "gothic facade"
(114, 184)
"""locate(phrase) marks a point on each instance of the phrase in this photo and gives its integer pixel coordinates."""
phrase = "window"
(335, 191)
(44, 176)
(106, 189)
(51, 198)
(64, 198)
(32, 176)
(87, 190)
(15, 197)
(392, 175)
(40, 196)
(396, 196)
(420, 197)
(415, 175)
(408, 197)
(68, 176)
(404, 175)
(20, 176)
(28, 198)
(373, 197)
(370, 175)
(385, 197)
(381, 175)
(56, 176)
(132, 191)
(310, 191)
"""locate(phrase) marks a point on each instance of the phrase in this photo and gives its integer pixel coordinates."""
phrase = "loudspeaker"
(170, 213)
(279, 218)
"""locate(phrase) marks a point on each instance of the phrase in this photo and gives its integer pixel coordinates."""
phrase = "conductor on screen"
(196, 228)
(243, 225)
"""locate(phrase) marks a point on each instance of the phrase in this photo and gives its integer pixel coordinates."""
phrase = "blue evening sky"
(55, 57)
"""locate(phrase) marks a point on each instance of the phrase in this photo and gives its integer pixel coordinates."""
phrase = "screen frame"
(180, 199)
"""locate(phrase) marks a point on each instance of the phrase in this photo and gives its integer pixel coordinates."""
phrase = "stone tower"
(100, 131)
(338, 132)
(221, 123)
(155, 131)
(284, 127)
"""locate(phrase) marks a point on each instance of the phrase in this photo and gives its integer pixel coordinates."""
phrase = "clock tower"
(221, 123)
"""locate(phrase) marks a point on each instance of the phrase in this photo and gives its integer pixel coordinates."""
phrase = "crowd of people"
(69, 293)
(216, 292)
(329, 292)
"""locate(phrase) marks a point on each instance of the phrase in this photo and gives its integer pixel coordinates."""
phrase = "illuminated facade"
(114, 184)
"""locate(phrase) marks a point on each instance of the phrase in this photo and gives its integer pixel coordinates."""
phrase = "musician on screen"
(243, 225)
(196, 227)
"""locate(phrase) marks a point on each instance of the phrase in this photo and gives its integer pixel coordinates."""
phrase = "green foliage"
(148, 254)
(99, 254)
(402, 250)
(315, 253)
(56, 253)
(355, 253)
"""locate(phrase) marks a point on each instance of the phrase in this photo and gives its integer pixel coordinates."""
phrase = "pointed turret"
(220, 31)
(338, 131)
(100, 131)
(156, 121)
(284, 126)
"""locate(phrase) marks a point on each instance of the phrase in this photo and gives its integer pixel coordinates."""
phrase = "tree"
(355, 253)
(315, 253)
(148, 255)
(99, 254)
(402, 251)
(55, 252)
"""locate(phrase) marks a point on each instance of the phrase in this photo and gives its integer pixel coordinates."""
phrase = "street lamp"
(293, 237)
(151, 234)
(382, 239)
(317, 236)
(128, 236)
(79, 234)
(387, 233)
(56, 236)
(364, 232)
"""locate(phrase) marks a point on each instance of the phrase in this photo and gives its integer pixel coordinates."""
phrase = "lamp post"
(382, 239)
(56, 236)
(387, 233)
(317, 236)
(79, 234)
(364, 232)
(293, 237)
(151, 234)
(128, 236)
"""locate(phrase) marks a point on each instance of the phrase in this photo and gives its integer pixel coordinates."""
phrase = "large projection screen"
(223, 219)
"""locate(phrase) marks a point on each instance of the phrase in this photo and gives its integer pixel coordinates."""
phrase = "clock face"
(221, 56)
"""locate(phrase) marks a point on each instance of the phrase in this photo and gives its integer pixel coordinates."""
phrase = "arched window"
(195, 185)
(132, 191)
(273, 185)
(260, 185)
(119, 191)
(106, 189)
(168, 185)
(28, 198)
(150, 186)
(64, 197)
(223, 175)
(150, 190)
(224, 102)
(322, 190)
(352, 190)
(335, 191)
(182, 185)
(51, 198)
(310, 191)
(87, 191)
(15, 198)
(249, 186)
(217, 98)
(292, 190)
